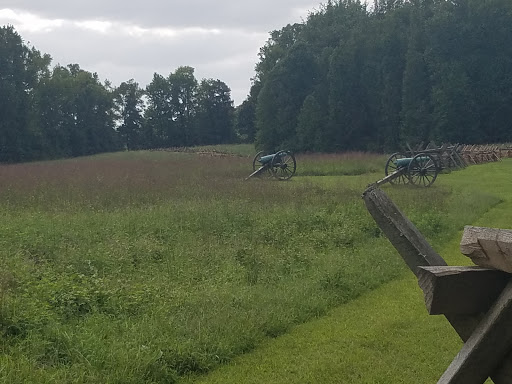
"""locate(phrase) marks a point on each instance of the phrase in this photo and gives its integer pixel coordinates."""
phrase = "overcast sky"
(121, 40)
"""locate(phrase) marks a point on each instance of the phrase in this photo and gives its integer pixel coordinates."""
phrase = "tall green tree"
(276, 48)
(387, 45)
(311, 117)
(75, 113)
(402, 71)
(170, 115)
(183, 87)
(348, 104)
(245, 124)
(54, 113)
(281, 99)
(215, 113)
(455, 114)
(488, 65)
(14, 97)
(129, 108)
(94, 111)
(159, 116)
(416, 86)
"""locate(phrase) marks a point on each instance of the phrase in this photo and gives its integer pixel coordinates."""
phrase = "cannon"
(280, 165)
(420, 170)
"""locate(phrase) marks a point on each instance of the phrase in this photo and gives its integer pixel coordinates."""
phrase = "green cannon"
(280, 165)
(420, 170)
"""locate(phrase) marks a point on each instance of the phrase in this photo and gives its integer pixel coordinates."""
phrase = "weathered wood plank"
(416, 252)
(404, 236)
(461, 290)
(488, 247)
(488, 345)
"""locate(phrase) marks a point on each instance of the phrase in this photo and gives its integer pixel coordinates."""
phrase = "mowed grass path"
(385, 336)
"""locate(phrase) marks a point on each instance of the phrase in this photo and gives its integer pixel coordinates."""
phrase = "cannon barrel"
(401, 163)
(266, 159)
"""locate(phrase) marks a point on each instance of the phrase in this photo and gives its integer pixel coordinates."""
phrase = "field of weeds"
(148, 267)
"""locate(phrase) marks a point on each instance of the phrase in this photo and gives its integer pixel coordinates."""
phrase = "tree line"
(65, 111)
(349, 77)
(354, 76)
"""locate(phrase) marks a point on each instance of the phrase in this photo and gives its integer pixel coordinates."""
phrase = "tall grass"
(152, 266)
(385, 336)
(340, 164)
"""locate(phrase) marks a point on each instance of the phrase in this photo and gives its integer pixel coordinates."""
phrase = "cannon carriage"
(421, 170)
(280, 165)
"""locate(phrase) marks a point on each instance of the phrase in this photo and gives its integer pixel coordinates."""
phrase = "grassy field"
(384, 336)
(158, 267)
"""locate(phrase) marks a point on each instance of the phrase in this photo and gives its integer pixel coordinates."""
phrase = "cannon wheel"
(391, 167)
(256, 164)
(422, 170)
(283, 165)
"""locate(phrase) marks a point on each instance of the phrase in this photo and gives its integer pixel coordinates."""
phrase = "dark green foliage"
(282, 96)
(14, 82)
(351, 77)
(246, 120)
(275, 49)
(49, 113)
(181, 112)
(416, 88)
(354, 77)
(128, 99)
(215, 113)
(159, 114)
(66, 112)
(311, 116)
(171, 109)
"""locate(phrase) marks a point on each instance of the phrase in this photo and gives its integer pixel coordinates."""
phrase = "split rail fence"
(457, 156)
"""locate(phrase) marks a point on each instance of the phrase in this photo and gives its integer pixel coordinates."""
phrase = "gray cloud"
(253, 15)
(219, 39)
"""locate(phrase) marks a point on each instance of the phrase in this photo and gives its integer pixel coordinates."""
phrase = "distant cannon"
(280, 165)
(419, 170)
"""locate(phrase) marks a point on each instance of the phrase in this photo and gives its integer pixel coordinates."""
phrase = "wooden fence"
(456, 156)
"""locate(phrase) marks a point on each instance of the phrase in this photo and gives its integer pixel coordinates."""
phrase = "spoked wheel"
(422, 170)
(283, 165)
(256, 164)
(391, 167)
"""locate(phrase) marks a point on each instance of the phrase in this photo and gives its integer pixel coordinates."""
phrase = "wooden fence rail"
(476, 301)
